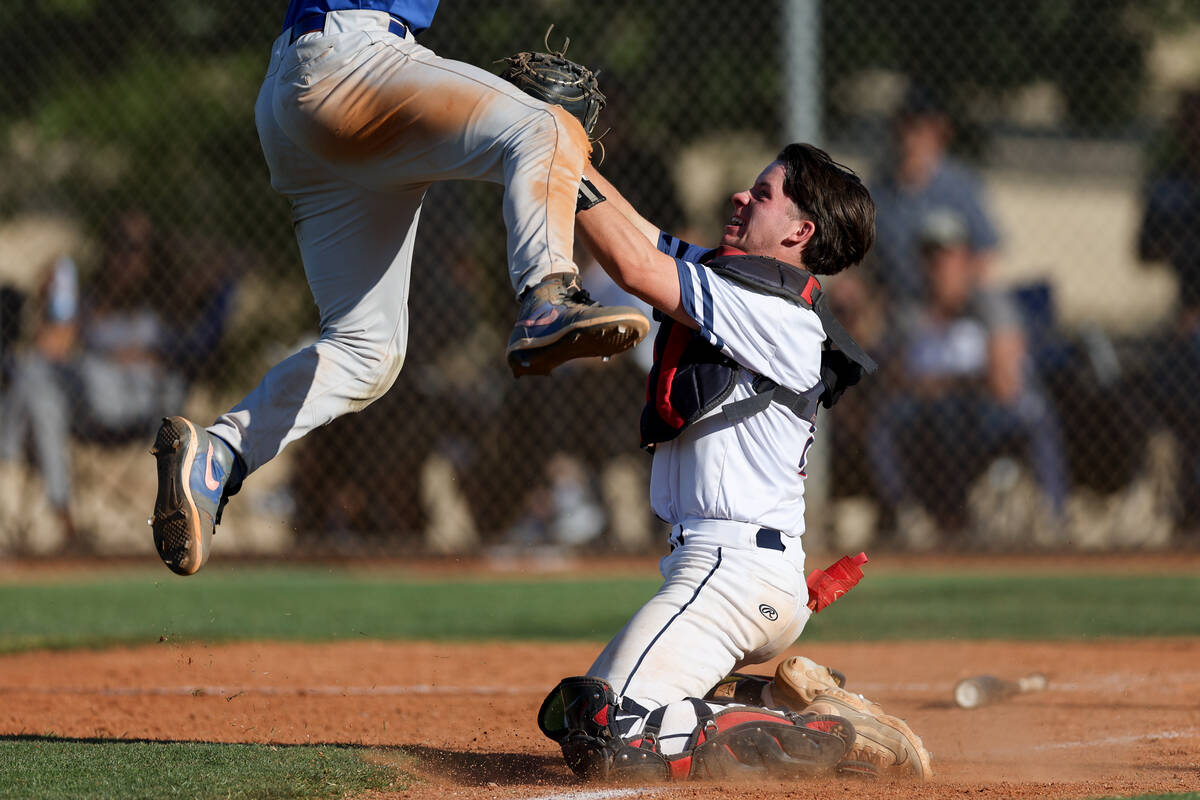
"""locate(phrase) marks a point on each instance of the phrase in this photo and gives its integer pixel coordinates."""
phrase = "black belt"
(769, 539)
(766, 538)
(316, 22)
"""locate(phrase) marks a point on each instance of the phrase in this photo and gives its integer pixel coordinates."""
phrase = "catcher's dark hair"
(835, 199)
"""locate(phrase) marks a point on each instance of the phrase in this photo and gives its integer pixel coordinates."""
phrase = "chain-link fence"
(1034, 294)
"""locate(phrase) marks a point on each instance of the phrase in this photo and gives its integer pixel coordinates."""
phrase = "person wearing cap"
(961, 388)
(922, 176)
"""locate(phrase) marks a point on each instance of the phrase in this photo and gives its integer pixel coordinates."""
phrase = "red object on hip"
(825, 586)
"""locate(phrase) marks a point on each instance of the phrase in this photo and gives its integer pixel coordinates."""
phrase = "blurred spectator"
(960, 390)
(12, 304)
(102, 365)
(920, 177)
(1170, 232)
(36, 400)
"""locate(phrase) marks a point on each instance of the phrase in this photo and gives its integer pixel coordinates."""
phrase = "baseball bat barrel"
(983, 689)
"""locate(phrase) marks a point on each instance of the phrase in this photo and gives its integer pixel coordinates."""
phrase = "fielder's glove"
(555, 79)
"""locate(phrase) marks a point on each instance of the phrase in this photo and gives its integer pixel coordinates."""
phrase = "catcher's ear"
(803, 231)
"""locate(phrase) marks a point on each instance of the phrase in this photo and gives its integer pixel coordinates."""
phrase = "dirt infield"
(1120, 717)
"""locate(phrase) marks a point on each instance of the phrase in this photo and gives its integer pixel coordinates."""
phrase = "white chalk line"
(1119, 740)
(598, 794)
(287, 691)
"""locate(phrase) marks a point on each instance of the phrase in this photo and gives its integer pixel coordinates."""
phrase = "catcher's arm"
(611, 195)
(624, 248)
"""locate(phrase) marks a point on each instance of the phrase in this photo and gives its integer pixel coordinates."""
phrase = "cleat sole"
(178, 534)
(596, 340)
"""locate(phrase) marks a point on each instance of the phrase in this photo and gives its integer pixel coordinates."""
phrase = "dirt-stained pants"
(355, 123)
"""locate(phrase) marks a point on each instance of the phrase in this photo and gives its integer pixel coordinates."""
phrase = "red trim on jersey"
(668, 365)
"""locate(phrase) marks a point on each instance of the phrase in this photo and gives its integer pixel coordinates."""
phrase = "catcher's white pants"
(355, 123)
(720, 609)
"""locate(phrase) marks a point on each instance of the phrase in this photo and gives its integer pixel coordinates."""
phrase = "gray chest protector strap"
(691, 377)
(840, 368)
(767, 391)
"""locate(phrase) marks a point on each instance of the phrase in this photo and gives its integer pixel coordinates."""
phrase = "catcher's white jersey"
(734, 592)
(751, 471)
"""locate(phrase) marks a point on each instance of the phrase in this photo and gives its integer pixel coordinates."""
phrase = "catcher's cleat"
(798, 680)
(559, 322)
(193, 470)
(881, 739)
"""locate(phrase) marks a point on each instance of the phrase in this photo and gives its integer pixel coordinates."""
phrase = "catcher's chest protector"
(691, 377)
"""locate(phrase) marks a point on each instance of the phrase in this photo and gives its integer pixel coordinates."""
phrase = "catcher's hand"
(558, 80)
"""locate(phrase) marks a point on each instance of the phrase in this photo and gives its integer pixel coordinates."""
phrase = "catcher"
(745, 353)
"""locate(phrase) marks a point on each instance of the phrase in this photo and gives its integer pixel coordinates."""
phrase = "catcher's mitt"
(556, 79)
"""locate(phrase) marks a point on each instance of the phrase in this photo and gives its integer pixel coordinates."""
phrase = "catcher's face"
(765, 221)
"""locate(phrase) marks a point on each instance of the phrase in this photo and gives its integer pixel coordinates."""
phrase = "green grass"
(328, 604)
(47, 767)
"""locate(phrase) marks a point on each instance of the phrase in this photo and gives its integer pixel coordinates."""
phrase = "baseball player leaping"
(356, 121)
(743, 357)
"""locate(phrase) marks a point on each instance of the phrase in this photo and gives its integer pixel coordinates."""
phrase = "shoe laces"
(581, 297)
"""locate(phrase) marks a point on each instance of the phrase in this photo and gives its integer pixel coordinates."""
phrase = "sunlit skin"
(765, 221)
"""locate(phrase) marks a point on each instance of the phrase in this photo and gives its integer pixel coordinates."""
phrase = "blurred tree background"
(111, 102)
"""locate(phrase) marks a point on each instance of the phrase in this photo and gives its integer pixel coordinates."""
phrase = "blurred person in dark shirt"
(961, 388)
(920, 177)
